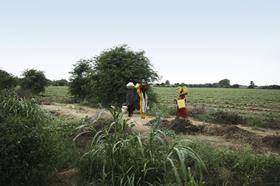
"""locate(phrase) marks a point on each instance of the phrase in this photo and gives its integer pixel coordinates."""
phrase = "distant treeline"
(61, 82)
(225, 83)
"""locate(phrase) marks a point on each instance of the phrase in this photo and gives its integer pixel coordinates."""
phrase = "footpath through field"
(217, 135)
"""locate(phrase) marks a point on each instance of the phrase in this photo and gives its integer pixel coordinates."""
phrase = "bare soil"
(230, 136)
(235, 136)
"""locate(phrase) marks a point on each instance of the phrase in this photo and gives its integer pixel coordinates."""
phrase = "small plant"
(121, 158)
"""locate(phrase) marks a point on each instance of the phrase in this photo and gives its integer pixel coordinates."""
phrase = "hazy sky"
(196, 41)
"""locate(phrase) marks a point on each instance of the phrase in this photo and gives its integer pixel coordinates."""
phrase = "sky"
(191, 41)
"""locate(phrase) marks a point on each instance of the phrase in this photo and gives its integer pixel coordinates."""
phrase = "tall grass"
(236, 167)
(118, 157)
(10, 105)
(26, 154)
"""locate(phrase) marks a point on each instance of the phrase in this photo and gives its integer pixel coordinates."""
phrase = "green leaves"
(34, 80)
(103, 79)
(117, 157)
(7, 81)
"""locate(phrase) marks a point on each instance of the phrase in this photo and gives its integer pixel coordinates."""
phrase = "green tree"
(235, 86)
(167, 83)
(79, 85)
(252, 84)
(114, 68)
(34, 81)
(105, 80)
(7, 81)
(61, 82)
(225, 83)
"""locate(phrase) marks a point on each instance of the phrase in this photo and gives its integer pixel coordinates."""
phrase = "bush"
(26, 151)
(120, 158)
(61, 82)
(103, 79)
(34, 80)
(7, 81)
(79, 85)
(244, 167)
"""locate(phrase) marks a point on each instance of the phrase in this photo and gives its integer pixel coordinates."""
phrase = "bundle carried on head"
(182, 90)
(130, 85)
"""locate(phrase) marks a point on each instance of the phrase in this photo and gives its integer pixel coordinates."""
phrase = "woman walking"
(130, 98)
(182, 112)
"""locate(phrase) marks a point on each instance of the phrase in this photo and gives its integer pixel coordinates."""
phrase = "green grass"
(259, 107)
(56, 94)
(235, 167)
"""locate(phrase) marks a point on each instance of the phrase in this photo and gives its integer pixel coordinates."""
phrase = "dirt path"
(74, 111)
(215, 134)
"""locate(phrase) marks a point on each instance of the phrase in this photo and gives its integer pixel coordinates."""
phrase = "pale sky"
(191, 41)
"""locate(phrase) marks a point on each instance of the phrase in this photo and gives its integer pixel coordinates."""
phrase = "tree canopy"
(7, 81)
(103, 79)
(34, 80)
(225, 83)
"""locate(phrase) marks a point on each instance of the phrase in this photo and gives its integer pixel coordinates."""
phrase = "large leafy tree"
(7, 81)
(110, 72)
(34, 81)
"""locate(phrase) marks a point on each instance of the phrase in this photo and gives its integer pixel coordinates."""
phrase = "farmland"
(224, 147)
(82, 139)
(259, 107)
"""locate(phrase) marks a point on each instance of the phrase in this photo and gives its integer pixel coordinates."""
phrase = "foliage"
(225, 83)
(235, 86)
(270, 87)
(26, 154)
(256, 106)
(79, 85)
(7, 81)
(34, 80)
(167, 83)
(105, 81)
(120, 158)
(61, 82)
(252, 84)
(58, 94)
(229, 167)
(11, 106)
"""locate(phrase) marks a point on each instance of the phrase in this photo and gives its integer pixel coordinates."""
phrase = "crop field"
(71, 142)
(256, 105)
(259, 107)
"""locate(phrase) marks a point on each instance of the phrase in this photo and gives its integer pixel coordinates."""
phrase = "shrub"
(120, 158)
(79, 85)
(26, 152)
(243, 167)
(34, 80)
(7, 81)
(61, 82)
